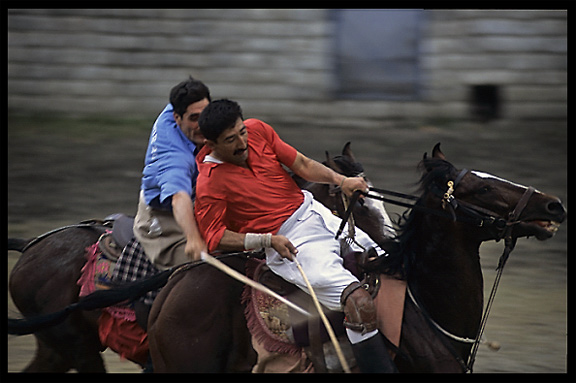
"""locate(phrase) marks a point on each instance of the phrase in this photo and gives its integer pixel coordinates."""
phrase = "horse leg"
(88, 348)
(47, 359)
(73, 345)
(43, 281)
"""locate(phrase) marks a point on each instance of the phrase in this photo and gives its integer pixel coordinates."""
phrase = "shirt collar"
(211, 158)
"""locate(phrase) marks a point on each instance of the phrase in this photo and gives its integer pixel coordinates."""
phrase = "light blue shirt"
(170, 163)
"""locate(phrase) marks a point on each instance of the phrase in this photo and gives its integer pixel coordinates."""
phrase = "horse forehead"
(492, 176)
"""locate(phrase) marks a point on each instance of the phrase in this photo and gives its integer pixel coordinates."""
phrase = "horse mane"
(435, 172)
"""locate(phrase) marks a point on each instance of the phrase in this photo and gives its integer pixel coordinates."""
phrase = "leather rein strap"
(509, 244)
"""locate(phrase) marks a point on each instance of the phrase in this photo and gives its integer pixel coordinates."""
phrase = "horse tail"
(17, 244)
(97, 300)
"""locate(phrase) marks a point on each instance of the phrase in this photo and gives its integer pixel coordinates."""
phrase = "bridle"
(469, 213)
(482, 217)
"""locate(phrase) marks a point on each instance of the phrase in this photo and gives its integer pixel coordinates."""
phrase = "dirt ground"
(62, 171)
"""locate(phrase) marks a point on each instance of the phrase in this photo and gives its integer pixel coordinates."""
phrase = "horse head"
(440, 238)
(369, 215)
(495, 206)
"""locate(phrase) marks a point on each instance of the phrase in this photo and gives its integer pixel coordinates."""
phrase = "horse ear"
(332, 164)
(425, 162)
(437, 153)
(347, 151)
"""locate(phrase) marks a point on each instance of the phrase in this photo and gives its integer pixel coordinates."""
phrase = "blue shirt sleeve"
(170, 163)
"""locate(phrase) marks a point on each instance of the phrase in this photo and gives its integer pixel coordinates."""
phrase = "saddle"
(118, 257)
(121, 234)
(281, 330)
(278, 328)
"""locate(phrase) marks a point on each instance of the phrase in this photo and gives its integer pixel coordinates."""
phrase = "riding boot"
(372, 356)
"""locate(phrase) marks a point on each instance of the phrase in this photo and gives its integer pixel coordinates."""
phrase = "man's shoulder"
(256, 123)
(166, 117)
(259, 127)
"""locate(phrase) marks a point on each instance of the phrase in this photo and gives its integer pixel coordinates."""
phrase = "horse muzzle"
(544, 225)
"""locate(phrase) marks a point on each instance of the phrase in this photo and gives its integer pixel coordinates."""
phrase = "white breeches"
(312, 229)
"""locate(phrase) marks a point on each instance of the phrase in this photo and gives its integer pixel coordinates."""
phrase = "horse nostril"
(557, 208)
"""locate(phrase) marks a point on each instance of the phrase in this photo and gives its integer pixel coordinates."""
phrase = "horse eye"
(484, 190)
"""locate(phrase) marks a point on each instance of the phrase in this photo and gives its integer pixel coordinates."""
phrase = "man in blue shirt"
(165, 224)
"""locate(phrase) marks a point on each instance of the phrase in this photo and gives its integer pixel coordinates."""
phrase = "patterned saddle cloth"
(278, 327)
(105, 266)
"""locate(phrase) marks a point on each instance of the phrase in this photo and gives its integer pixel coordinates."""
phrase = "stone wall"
(277, 64)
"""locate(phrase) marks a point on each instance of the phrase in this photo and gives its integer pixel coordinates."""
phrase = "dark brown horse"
(43, 281)
(196, 322)
(440, 247)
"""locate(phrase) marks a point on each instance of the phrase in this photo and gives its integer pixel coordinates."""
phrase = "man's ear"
(211, 144)
(177, 118)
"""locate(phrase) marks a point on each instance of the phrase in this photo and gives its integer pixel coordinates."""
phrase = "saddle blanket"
(133, 265)
(117, 326)
(270, 323)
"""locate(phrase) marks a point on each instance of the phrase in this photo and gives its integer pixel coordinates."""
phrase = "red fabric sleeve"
(285, 153)
(210, 211)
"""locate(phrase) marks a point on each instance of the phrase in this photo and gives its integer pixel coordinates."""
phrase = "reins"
(471, 214)
(509, 244)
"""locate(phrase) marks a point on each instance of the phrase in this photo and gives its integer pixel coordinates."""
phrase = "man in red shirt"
(245, 200)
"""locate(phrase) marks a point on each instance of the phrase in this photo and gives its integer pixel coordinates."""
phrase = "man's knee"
(359, 309)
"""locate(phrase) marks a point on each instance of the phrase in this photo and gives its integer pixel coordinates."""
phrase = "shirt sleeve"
(285, 153)
(170, 165)
(210, 211)
(174, 175)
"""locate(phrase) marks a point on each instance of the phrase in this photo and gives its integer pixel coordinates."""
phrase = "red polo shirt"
(254, 200)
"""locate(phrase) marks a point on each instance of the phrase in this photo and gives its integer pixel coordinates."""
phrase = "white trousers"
(312, 229)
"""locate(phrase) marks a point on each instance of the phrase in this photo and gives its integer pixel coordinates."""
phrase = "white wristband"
(253, 241)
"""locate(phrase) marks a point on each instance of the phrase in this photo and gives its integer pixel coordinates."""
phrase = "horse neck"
(445, 274)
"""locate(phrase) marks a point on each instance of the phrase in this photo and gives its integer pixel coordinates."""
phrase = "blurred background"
(85, 85)
(356, 68)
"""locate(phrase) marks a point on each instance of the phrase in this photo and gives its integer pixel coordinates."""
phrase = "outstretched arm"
(183, 210)
(314, 171)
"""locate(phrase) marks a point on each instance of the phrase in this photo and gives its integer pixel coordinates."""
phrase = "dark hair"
(186, 93)
(218, 116)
